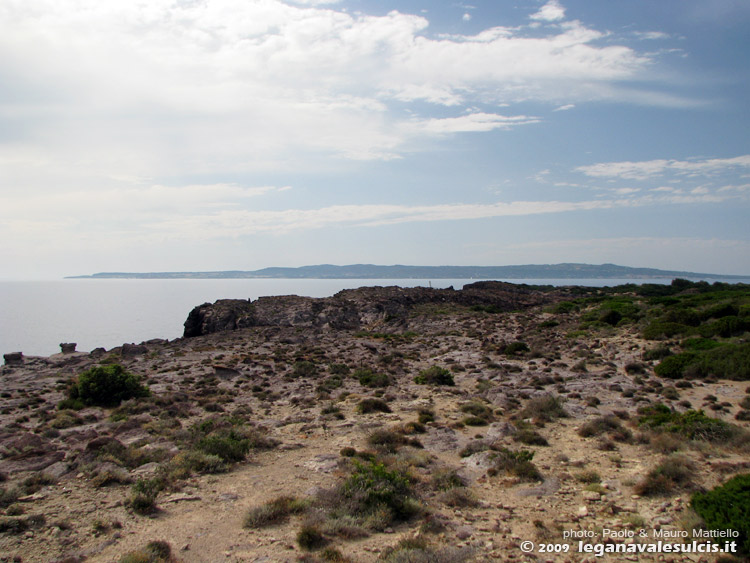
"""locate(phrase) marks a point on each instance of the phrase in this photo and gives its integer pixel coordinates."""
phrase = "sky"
(197, 135)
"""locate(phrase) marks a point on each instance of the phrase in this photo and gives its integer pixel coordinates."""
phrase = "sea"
(36, 316)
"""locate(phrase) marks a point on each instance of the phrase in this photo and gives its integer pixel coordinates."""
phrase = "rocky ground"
(69, 475)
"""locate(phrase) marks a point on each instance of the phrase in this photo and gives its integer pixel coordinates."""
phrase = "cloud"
(234, 86)
(152, 213)
(475, 122)
(466, 17)
(645, 170)
(552, 11)
(566, 107)
(651, 35)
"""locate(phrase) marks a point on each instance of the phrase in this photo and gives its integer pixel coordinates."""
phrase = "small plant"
(589, 477)
(609, 425)
(426, 416)
(154, 552)
(310, 537)
(305, 369)
(435, 375)
(544, 408)
(106, 386)
(371, 404)
(274, 512)
(369, 378)
(143, 499)
(675, 472)
(515, 348)
(516, 463)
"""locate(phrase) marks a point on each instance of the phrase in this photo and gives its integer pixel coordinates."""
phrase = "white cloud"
(552, 11)
(474, 122)
(466, 17)
(651, 35)
(566, 107)
(644, 170)
(245, 85)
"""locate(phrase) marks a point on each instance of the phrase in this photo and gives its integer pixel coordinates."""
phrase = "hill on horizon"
(373, 271)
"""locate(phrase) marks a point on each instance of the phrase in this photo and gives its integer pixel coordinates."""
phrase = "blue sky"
(238, 134)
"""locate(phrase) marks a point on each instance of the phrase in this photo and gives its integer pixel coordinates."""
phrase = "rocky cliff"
(358, 308)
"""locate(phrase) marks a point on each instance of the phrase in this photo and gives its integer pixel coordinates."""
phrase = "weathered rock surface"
(356, 308)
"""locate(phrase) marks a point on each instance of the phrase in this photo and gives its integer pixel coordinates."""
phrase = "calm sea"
(35, 317)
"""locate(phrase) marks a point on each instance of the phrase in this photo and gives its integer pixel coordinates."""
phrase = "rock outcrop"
(357, 308)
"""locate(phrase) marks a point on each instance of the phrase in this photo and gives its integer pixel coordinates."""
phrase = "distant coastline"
(570, 271)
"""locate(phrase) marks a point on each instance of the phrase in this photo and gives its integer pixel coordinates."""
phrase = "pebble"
(583, 511)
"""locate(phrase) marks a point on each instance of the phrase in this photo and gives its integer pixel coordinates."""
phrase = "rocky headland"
(385, 424)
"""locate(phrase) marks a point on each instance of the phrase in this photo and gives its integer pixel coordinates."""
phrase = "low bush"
(727, 361)
(435, 375)
(154, 552)
(544, 408)
(515, 348)
(692, 424)
(106, 386)
(727, 507)
(674, 473)
(370, 378)
(374, 494)
(310, 537)
(371, 404)
(529, 436)
(274, 512)
(609, 425)
(305, 369)
(229, 446)
(143, 498)
(517, 463)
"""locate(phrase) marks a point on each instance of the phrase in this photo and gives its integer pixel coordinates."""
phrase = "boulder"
(68, 347)
(130, 350)
(13, 358)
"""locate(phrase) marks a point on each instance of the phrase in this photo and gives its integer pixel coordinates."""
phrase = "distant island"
(370, 271)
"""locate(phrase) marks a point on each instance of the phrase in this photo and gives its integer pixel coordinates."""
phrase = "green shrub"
(658, 353)
(426, 416)
(229, 446)
(691, 424)
(435, 375)
(724, 327)
(727, 507)
(515, 348)
(106, 386)
(564, 307)
(516, 463)
(372, 487)
(660, 329)
(673, 367)
(727, 361)
(304, 368)
(370, 378)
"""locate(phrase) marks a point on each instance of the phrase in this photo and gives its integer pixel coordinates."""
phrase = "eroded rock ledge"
(358, 308)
